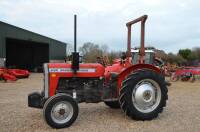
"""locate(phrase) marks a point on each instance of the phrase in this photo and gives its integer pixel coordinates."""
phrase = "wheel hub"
(146, 95)
(62, 112)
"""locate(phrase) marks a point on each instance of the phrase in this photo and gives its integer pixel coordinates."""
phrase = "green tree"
(196, 53)
(175, 59)
(185, 53)
(90, 52)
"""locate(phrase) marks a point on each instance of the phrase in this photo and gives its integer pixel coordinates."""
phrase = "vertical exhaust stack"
(75, 54)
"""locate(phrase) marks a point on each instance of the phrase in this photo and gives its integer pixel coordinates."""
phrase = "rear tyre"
(143, 95)
(60, 111)
(113, 104)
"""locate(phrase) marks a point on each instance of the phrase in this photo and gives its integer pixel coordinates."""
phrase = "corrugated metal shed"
(57, 49)
(15, 41)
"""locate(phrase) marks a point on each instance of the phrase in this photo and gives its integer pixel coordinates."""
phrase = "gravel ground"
(181, 114)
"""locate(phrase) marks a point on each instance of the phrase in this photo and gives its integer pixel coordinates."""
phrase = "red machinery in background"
(186, 74)
(13, 74)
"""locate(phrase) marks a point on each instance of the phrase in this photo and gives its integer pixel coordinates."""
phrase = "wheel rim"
(62, 112)
(146, 95)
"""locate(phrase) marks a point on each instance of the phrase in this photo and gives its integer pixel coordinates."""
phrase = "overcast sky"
(172, 24)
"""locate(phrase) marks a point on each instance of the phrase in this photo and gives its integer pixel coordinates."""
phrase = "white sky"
(172, 24)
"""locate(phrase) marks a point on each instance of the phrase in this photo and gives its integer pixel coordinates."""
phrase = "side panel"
(86, 70)
(63, 70)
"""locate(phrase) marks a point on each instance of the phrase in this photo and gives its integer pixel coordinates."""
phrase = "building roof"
(7, 24)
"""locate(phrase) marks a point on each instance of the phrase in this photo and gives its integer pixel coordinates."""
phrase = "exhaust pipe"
(75, 54)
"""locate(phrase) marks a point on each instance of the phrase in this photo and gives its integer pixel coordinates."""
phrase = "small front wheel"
(60, 111)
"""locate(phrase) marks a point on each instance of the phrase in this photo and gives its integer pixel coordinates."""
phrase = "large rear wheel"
(143, 95)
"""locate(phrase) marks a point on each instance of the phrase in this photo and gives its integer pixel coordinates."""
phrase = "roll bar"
(141, 19)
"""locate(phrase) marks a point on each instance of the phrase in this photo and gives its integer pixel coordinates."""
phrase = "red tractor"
(140, 89)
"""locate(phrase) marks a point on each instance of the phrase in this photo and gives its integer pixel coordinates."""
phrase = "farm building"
(20, 48)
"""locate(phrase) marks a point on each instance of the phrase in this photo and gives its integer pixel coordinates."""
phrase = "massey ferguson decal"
(51, 70)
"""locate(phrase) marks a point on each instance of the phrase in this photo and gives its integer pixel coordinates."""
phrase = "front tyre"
(60, 111)
(143, 95)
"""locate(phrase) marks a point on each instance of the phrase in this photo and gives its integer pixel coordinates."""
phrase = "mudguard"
(122, 75)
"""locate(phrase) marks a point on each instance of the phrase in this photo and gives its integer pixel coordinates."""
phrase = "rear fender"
(132, 68)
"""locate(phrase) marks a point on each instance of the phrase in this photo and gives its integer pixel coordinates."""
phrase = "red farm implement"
(13, 74)
(186, 74)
